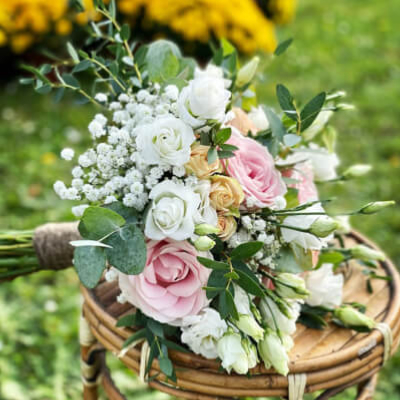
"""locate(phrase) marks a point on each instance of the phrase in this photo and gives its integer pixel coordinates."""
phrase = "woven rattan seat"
(331, 359)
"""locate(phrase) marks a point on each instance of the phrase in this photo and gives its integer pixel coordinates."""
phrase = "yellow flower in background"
(249, 24)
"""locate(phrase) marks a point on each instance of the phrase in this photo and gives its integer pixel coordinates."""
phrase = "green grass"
(348, 45)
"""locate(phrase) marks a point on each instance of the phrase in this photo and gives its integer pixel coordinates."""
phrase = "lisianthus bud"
(356, 171)
(345, 106)
(249, 326)
(247, 72)
(351, 317)
(204, 243)
(251, 351)
(273, 352)
(376, 206)
(343, 224)
(291, 286)
(205, 229)
(366, 253)
(232, 353)
(323, 227)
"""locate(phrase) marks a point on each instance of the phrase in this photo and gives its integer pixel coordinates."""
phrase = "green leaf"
(231, 275)
(127, 321)
(70, 80)
(331, 257)
(175, 346)
(82, 66)
(228, 147)
(227, 47)
(283, 46)
(246, 250)
(99, 222)
(222, 154)
(291, 140)
(154, 352)
(216, 280)
(286, 261)
(277, 128)
(222, 136)
(313, 321)
(218, 265)
(72, 52)
(140, 334)
(128, 253)
(227, 306)
(155, 327)
(311, 110)
(303, 258)
(128, 213)
(212, 155)
(247, 280)
(162, 60)
(125, 32)
(58, 95)
(286, 101)
(89, 263)
(43, 89)
(166, 366)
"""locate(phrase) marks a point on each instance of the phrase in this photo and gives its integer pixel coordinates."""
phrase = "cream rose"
(198, 163)
(226, 194)
(227, 226)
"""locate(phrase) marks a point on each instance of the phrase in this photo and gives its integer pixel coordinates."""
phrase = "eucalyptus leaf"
(128, 252)
(127, 321)
(166, 366)
(89, 263)
(99, 222)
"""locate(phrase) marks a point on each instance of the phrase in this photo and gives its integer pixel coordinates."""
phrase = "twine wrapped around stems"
(45, 248)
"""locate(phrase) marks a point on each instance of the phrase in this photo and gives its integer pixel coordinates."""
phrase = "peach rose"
(254, 168)
(242, 122)
(227, 226)
(226, 194)
(198, 163)
(171, 284)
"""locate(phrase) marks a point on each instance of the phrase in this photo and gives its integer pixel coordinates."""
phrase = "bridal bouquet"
(203, 205)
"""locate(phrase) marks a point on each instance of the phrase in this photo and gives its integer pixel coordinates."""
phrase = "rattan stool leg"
(91, 361)
(366, 390)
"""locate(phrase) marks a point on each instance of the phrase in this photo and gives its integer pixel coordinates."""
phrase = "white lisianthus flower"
(166, 140)
(325, 287)
(205, 98)
(304, 239)
(275, 319)
(318, 124)
(322, 161)
(273, 352)
(171, 212)
(258, 118)
(207, 214)
(201, 332)
(232, 353)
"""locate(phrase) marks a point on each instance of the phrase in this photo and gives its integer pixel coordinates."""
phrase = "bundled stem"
(17, 254)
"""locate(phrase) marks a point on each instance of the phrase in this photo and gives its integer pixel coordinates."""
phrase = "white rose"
(203, 99)
(304, 239)
(166, 140)
(325, 287)
(276, 319)
(207, 213)
(201, 332)
(172, 212)
(212, 71)
(258, 118)
(232, 353)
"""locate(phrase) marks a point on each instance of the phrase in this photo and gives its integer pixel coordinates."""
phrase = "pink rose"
(302, 172)
(170, 286)
(254, 168)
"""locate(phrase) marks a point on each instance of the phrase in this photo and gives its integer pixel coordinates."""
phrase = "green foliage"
(90, 262)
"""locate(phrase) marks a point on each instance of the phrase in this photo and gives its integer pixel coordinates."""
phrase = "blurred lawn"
(348, 45)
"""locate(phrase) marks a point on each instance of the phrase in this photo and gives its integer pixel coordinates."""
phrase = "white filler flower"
(172, 212)
(205, 98)
(167, 140)
(325, 287)
(201, 332)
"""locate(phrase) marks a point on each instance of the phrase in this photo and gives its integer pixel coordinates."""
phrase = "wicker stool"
(330, 360)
